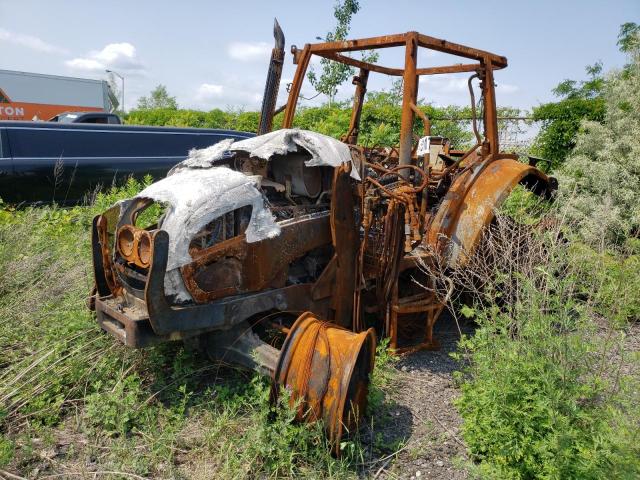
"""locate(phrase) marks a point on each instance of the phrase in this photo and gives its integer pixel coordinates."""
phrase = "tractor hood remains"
(196, 192)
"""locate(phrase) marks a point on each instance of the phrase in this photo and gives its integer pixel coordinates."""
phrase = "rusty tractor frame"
(302, 306)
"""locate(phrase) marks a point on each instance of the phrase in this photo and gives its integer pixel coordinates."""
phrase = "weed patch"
(542, 394)
(73, 401)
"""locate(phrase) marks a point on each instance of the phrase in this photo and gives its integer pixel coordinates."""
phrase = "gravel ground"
(423, 422)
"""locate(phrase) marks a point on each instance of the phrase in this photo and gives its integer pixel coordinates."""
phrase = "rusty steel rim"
(326, 368)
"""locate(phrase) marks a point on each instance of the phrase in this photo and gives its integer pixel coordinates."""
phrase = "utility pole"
(121, 78)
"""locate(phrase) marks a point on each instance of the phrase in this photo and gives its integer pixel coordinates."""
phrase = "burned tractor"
(288, 251)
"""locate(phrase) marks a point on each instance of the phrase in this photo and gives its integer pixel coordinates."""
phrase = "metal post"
(302, 58)
(358, 100)
(409, 97)
(122, 94)
(122, 79)
(490, 113)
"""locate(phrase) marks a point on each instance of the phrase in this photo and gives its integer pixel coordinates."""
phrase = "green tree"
(629, 37)
(158, 98)
(561, 120)
(579, 101)
(600, 180)
(333, 73)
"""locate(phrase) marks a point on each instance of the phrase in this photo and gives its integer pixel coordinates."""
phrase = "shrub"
(560, 126)
(6, 451)
(542, 396)
(114, 411)
(52, 351)
(380, 121)
(600, 182)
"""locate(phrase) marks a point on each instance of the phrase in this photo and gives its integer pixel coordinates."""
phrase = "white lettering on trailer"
(18, 111)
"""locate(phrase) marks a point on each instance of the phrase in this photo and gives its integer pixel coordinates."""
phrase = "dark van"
(62, 162)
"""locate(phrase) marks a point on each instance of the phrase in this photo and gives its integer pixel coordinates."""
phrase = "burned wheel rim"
(326, 368)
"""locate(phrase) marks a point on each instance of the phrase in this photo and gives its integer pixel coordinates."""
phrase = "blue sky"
(215, 54)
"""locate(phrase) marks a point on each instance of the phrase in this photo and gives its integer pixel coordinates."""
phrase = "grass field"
(549, 388)
(73, 401)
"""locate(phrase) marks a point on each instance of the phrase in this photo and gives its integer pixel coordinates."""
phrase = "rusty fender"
(470, 204)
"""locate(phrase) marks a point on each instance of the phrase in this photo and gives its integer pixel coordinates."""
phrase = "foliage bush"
(582, 101)
(542, 393)
(561, 121)
(600, 182)
(550, 384)
(380, 121)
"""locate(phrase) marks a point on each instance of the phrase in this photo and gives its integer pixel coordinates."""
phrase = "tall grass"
(163, 412)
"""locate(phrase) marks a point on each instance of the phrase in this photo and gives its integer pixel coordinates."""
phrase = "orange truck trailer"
(35, 96)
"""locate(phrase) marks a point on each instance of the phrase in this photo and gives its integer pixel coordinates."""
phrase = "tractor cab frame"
(483, 68)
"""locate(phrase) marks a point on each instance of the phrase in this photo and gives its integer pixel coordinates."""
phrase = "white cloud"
(233, 93)
(115, 56)
(428, 53)
(443, 84)
(208, 92)
(453, 89)
(441, 90)
(31, 42)
(84, 64)
(249, 51)
(507, 88)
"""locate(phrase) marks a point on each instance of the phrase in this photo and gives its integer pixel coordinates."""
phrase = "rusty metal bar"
(360, 64)
(401, 39)
(459, 68)
(277, 326)
(425, 119)
(358, 100)
(398, 72)
(385, 41)
(294, 93)
(409, 97)
(490, 114)
(460, 50)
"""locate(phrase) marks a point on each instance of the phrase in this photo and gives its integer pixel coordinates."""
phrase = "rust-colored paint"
(470, 205)
(345, 241)
(257, 264)
(327, 370)
(409, 97)
(370, 238)
(490, 112)
(38, 111)
(411, 41)
(358, 101)
(134, 245)
(296, 86)
(102, 253)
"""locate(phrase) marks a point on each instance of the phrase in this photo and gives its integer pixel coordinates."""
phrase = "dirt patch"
(421, 419)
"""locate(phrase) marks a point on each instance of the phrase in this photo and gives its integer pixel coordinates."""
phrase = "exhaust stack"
(273, 81)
